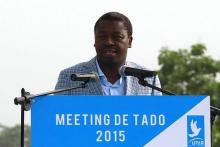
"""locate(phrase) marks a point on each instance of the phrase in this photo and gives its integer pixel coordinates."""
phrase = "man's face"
(111, 42)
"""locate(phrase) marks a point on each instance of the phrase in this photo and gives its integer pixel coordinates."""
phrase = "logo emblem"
(195, 131)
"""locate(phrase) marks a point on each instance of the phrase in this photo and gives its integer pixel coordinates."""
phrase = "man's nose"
(109, 41)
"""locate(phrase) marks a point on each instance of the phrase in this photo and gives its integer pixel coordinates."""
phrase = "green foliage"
(198, 49)
(10, 136)
(191, 72)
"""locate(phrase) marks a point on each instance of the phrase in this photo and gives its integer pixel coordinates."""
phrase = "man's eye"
(118, 37)
(100, 36)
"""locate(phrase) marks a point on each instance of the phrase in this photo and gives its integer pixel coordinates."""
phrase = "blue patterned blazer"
(94, 88)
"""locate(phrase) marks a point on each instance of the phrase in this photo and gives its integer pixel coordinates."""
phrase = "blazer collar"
(130, 89)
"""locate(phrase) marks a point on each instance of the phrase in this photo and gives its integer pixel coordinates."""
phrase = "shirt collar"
(100, 73)
(104, 79)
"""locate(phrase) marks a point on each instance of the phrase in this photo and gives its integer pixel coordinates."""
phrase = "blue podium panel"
(120, 121)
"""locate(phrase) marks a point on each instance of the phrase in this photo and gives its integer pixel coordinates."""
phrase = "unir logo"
(195, 131)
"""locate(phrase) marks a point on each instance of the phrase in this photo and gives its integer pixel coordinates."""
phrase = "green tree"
(10, 136)
(192, 72)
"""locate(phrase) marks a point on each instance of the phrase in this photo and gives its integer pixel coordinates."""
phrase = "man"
(113, 36)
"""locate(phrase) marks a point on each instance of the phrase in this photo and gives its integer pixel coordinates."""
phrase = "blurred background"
(39, 38)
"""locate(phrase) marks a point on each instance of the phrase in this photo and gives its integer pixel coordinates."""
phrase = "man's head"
(113, 36)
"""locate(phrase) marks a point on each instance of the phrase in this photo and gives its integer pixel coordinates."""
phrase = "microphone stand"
(26, 99)
(213, 110)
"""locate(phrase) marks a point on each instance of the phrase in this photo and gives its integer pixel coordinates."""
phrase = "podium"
(120, 121)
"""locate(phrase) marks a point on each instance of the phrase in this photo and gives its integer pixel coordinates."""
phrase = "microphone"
(85, 77)
(135, 72)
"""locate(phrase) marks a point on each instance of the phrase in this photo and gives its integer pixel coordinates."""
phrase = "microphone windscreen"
(92, 77)
(136, 72)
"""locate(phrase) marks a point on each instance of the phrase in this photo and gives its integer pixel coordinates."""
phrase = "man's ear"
(130, 41)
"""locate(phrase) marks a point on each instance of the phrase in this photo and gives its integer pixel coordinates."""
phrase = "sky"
(39, 38)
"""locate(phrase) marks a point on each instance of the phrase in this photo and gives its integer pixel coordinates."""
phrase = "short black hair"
(115, 16)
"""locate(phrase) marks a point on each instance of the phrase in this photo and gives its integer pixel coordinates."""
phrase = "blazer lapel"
(131, 82)
(95, 88)
(131, 89)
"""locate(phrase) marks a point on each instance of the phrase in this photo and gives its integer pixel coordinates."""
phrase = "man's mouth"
(110, 51)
